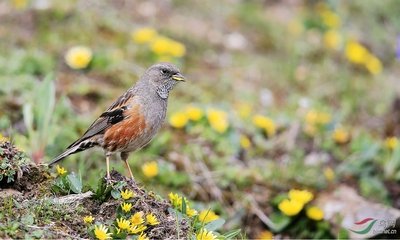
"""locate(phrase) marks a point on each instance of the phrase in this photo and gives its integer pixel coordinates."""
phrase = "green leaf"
(75, 183)
(176, 213)
(183, 210)
(280, 222)
(115, 194)
(214, 225)
(37, 233)
(27, 219)
(230, 235)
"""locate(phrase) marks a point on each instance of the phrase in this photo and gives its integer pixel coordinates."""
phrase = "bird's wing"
(114, 114)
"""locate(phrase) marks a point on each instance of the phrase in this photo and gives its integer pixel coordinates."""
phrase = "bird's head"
(163, 77)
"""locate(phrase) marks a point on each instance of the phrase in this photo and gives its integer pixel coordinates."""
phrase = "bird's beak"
(178, 77)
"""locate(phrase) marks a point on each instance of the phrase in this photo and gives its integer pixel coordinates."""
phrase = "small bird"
(131, 122)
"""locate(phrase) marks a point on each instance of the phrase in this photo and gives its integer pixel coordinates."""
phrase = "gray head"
(163, 77)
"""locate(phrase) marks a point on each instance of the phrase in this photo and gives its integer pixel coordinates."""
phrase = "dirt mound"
(30, 208)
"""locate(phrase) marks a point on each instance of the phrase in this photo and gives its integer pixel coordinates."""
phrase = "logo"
(378, 226)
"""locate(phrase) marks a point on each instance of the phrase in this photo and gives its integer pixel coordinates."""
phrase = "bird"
(132, 121)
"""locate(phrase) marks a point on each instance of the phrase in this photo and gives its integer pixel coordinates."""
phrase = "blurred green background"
(280, 95)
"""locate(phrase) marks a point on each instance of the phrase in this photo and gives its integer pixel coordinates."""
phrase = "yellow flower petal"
(60, 170)
(207, 216)
(205, 235)
(178, 120)
(137, 219)
(315, 213)
(78, 57)
(265, 235)
(373, 64)
(151, 219)
(355, 52)
(194, 113)
(127, 194)
(100, 232)
(218, 120)
(245, 142)
(391, 143)
(332, 39)
(150, 169)
(123, 224)
(290, 207)
(144, 35)
(126, 207)
(302, 196)
(341, 136)
(88, 219)
(265, 123)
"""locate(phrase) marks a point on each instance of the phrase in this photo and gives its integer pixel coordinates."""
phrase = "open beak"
(178, 77)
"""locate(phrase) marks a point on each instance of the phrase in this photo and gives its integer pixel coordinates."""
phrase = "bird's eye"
(164, 71)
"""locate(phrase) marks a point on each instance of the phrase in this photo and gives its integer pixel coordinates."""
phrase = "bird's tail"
(73, 149)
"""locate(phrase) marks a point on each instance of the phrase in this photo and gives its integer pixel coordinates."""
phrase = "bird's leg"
(108, 166)
(124, 157)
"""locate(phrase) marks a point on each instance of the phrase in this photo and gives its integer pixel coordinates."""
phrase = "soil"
(30, 197)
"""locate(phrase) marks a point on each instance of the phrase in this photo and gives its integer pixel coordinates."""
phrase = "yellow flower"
(265, 235)
(290, 207)
(144, 35)
(3, 139)
(265, 123)
(176, 202)
(78, 57)
(152, 219)
(150, 169)
(178, 120)
(126, 194)
(330, 19)
(88, 219)
(190, 211)
(19, 4)
(315, 213)
(332, 39)
(373, 64)
(161, 45)
(100, 231)
(206, 216)
(245, 142)
(137, 229)
(142, 236)
(340, 135)
(310, 130)
(317, 118)
(123, 224)
(164, 46)
(205, 235)
(302, 196)
(329, 174)
(177, 49)
(391, 143)
(218, 120)
(174, 198)
(126, 207)
(355, 52)
(60, 170)
(137, 219)
(194, 113)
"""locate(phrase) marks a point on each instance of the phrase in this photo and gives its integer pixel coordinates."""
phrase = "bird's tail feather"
(77, 148)
(65, 154)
